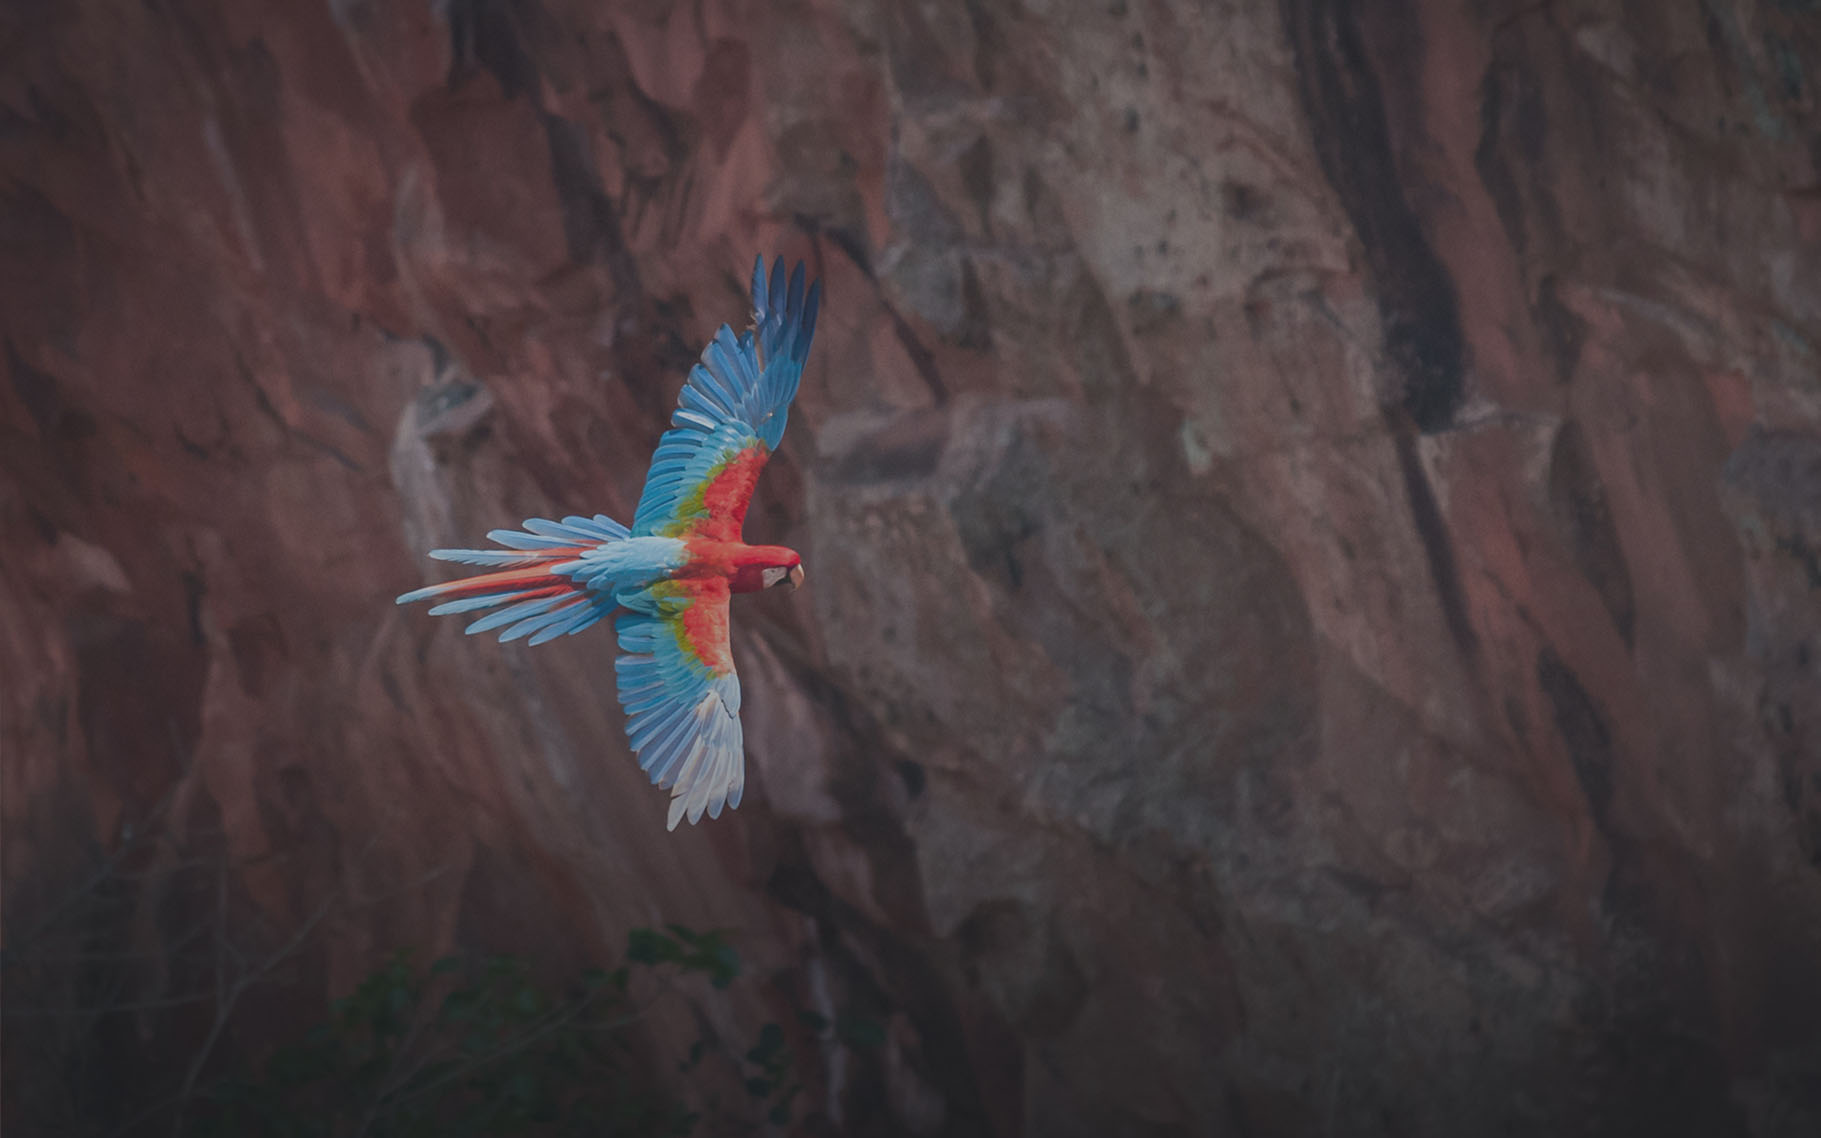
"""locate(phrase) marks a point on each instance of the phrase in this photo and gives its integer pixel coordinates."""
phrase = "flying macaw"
(670, 576)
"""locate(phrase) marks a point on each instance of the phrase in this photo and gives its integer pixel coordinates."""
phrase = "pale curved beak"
(795, 577)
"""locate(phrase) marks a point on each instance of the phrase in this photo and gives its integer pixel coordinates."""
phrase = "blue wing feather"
(512, 614)
(513, 539)
(738, 394)
(584, 617)
(682, 715)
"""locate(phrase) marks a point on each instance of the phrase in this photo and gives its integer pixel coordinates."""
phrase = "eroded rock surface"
(1311, 512)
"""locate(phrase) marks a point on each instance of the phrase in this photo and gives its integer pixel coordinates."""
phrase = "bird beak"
(795, 576)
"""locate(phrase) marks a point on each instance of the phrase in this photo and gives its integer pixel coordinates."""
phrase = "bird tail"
(532, 579)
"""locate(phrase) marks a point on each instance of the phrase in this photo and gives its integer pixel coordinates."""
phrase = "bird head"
(791, 575)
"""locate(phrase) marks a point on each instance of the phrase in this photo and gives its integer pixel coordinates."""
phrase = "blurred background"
(1313, 523)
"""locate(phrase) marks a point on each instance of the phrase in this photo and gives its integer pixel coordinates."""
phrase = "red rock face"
(1311, 515)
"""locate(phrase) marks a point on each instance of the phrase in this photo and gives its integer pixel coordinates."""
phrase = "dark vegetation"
(147, 999)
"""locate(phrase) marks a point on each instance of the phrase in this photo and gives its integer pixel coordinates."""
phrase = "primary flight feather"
(670, 576)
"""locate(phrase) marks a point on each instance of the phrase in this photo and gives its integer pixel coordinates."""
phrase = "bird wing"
(681, 695)
(730, 415)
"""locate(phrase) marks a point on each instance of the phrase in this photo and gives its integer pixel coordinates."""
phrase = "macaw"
(670, 575)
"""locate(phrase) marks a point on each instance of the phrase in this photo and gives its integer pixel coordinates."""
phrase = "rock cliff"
(1312, 510)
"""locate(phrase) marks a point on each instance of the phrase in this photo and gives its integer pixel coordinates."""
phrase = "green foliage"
(461, 1046)
(469, 1048)
(860, 1032)
(707, 953)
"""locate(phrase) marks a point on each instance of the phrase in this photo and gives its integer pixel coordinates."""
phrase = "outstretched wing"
(681, 695)
(730, 415)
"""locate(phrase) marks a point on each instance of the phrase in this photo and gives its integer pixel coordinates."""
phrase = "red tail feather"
(509, 584)
(537, 581)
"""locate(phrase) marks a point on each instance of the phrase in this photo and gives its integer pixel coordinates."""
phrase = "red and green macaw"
(671, 574)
